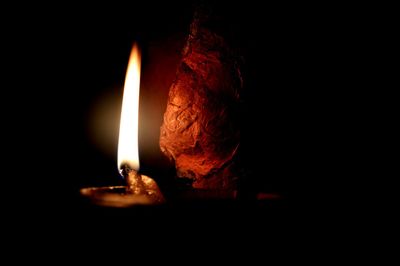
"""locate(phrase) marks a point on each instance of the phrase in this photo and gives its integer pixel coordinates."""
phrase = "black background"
(67, 58)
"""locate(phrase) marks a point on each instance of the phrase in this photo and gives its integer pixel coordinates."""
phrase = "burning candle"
(139, 189)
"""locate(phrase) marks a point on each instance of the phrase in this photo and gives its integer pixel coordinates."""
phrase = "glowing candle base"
(138, 184)
(140, 190)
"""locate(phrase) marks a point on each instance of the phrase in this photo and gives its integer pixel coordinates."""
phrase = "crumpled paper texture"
(200, 130)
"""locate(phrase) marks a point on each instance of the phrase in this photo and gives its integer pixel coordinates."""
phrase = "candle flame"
(128, 151)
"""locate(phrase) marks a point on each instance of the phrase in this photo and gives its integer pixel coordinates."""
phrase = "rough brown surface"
(200, 131)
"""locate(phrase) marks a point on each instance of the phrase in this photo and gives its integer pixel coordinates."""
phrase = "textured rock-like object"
(200, 131)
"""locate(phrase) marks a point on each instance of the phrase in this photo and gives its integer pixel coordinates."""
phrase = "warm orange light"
(128, 152)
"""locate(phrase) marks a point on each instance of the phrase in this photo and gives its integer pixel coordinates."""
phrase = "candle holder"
(140, 190)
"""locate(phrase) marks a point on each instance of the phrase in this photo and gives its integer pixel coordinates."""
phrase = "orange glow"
(128, 152)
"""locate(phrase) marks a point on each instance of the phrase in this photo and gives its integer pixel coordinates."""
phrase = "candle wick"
(124, 170)
(134, 181)
(136, 184)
